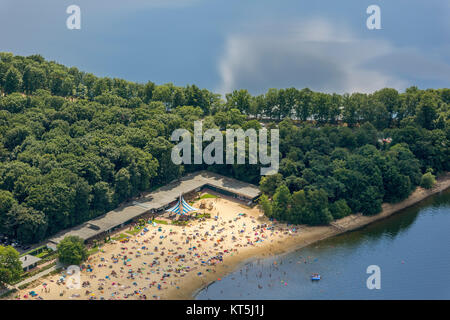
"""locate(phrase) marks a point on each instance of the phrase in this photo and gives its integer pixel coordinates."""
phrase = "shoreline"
(179, 271)
(310, 235)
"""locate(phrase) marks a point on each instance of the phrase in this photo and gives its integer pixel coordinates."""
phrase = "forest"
(74, 146)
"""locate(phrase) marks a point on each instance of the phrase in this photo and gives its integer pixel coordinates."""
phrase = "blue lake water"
(412, 249)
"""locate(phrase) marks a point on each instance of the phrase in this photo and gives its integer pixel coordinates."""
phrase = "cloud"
(414, 65)
(322, 56)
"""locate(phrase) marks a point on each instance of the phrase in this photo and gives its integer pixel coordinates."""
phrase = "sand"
(175, 262)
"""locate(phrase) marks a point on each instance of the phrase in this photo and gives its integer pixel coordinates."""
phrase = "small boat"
(315, 277)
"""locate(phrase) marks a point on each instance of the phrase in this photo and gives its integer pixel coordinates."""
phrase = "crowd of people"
(162, 258)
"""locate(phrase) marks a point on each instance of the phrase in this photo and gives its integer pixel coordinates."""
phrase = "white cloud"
(319, 55)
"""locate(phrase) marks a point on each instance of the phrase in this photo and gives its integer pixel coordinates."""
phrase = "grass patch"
(203, 215)
(93, 250)
(160, 221)
(203, 196)
(48, 258)
(37, 252)
(44, 253)
(120, 237)
(207, 196)
(186, 222)
(134, 231)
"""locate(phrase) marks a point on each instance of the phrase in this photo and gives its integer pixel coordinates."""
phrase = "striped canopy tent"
(182, 207)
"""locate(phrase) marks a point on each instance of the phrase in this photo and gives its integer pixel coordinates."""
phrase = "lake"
(412, 249)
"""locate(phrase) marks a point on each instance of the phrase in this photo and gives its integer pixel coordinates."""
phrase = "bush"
(428, 180)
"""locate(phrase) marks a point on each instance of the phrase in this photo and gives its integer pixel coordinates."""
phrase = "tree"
(409, 102)
(390, 99)
(318, 207)
(189, 113)
(281, 203)
(13, 81)
(288, 102)
(10, 265)
(6, 203)
(396, 185)
(351, 108)
(299, 211)
(148, 91)
(269, 184)
(102, 197)
(56, 198)
(26, 224)
(370, 200)
(123, 185)
(426, 111)
(272, 103)
(321, 107)
(304, 105)
(428, 180)
(257, 106)
(340, 209)
(16, 136)
(161, 149)
(14, 102)
(178, 98)
(164, 94)
(295, 183)
(33, 79)
(266, 206)
(239, 99)
(289, 167)
(367, 134)
(72, 251)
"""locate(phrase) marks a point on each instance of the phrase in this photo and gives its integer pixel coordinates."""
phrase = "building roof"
(28, 260)
(159, 199)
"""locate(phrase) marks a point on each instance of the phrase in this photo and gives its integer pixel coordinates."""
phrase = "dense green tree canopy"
(72, 251)
(73, 145)
(10, 265)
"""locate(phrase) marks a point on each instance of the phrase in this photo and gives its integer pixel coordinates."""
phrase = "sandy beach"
(173, 262)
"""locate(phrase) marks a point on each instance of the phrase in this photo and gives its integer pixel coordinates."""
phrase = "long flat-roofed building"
(159, 200)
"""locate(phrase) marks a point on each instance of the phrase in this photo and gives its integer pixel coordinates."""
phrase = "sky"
(223, 45)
